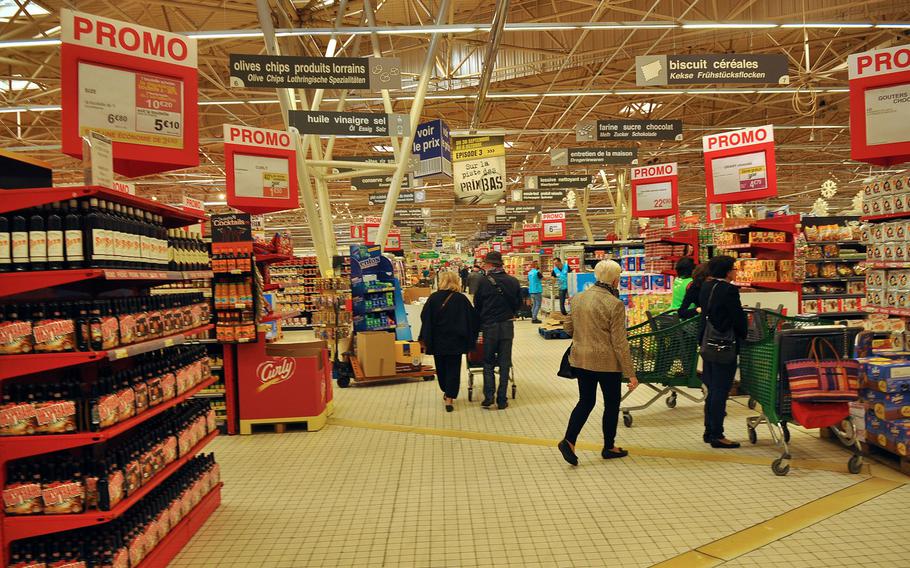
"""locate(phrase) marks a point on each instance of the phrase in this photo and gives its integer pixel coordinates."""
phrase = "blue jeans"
(563, 294)
(536, 298)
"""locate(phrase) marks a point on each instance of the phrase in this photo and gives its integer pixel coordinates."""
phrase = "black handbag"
(717, 346)
(565, 368)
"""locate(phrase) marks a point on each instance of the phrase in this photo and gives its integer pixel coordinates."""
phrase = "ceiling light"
(539, 26)
(226, 34)
(10, 8)
(214, 203)
(894, 25)
(832, 25)
(17, 43)
(725, 26)
(383, 148)
(29, 108)
(220, 196)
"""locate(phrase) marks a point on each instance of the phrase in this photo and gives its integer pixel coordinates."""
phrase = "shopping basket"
(665, 356)
(763, 377)
(474, 364)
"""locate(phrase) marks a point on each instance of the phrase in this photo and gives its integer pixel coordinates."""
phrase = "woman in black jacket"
(719, 300)
(690, 306)
(449, 328)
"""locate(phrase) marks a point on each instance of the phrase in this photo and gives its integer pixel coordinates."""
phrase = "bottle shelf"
(12, 283)
(171, 545)
(19, 527)
(19, 365)
(18, 199)
(18, 447)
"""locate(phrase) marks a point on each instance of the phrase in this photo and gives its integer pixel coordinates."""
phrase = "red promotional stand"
(879, 106)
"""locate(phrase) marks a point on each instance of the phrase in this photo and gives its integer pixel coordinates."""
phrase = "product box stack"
(885, 394)
(661, 255)
(764, 270)
(887, 195)
(888, 288)
(888, 241)
(638, 306)
(297, 278)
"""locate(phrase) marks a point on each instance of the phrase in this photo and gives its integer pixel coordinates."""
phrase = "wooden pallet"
(424, 372)
(281, 425)
(553, 333)
(887, 456)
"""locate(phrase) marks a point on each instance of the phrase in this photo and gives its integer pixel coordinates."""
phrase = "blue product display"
(376, 293)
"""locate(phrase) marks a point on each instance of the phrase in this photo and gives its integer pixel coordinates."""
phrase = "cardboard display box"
(408, 353)
(889, 406)
(412, 294)
(887, 376)
(376, 352)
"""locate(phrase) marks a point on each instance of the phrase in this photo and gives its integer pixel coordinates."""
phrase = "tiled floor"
(396, 481)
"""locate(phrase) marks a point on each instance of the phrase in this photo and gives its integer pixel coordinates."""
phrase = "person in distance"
(720, 302)
(689, 307)
(599, 356)
(561, 272)
(535, 290)
(497, 300)
(449, 328)
(684, 268)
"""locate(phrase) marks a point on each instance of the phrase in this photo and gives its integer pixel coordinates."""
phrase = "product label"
(37, 246)
(56, 417)
(5, 242)
(110, 329)
(63, 497)
(55, 246)
(104, 413)
(54, 335)
(168, 386)
(15, 337)
(17, 420)
(20, 246)
(127, 400)
(22, 499)
(74, 245)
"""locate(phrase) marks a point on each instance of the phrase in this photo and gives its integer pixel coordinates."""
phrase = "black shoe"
(449, 408)
(487, 403)
(536, 321)
(724, 445)
(567, 453)
(502, 406)
(706, 438)
(609, 454)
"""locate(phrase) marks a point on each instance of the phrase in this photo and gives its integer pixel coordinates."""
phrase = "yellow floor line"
(784, 525)
(719, 457)
(691, 559)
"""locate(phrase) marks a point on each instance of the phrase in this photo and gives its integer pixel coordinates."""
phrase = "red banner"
(261, 169)
(136, 85)
(740, 165)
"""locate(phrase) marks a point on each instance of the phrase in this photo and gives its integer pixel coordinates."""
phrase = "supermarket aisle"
(396, 481)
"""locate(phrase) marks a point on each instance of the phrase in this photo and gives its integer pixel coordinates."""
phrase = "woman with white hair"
(599, 356)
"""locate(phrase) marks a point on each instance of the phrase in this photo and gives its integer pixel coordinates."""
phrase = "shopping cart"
(762, 368)
(665, 356)
(474, 363)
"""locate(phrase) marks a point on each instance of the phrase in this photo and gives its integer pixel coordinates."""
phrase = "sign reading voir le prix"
(133, 84)
(880, 105)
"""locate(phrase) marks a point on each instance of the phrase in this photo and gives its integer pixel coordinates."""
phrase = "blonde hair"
(449, 281)
(607, 271)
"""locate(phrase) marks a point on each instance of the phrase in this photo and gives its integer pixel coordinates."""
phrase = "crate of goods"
(891, 435)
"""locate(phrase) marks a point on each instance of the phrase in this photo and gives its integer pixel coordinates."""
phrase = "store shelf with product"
(833, 255)
(13, 283)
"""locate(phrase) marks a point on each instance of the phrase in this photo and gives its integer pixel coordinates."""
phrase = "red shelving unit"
(171, 545)
(19, 365)
(276, 317)
(270, 258)
(27, 526)
(15, 199)
(13, 283)
(779, 286)
(786, 223)
(887, 216)
(18, 447)
(777, 247)
(887, 264)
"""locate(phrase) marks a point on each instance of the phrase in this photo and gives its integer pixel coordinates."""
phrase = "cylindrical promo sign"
(655, 190)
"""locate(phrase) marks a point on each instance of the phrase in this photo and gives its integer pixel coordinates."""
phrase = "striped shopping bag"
(823, 380)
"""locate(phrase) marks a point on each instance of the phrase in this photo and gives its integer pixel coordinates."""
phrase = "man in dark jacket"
(497, 300)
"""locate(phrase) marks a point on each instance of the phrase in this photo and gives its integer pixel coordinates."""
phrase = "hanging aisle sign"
(655, 190)
(592, 156)
(541, 194)
(333, 123)
(261, 169)
(293, 72)
(594, 130)
(880, 105)
(371, 233)
(557, 182)
(531, 234)
(712, 68)
(133, 84)
(553, 226)
(479, 169)
(381, 198)
(740, 165)
(433, 148)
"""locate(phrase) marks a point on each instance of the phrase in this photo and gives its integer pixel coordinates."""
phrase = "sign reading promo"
(333, 123)
(592, 156)
(557, 182)
(293, 72)
(710, 68)
(598, 130)
(133, 84)
(433, 148)
(740, 165)
(880, 105)
(479, 169)
(553, 226)
(261, 169)
(655, 190)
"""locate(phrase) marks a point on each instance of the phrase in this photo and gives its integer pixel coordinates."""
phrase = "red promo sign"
(371, 232)
(193, 204)
(136, 85)
(574, 263)
(553, 226)
(497, 247)
(715, 212)
(357, 231)
(532, 234)
(740, 165)
(655, 190)
(261, 169)
(518, 241)
(880, 105)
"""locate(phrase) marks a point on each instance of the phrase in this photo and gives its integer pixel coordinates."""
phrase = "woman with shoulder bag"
(449, 329)
(599, 356)
(723, 327)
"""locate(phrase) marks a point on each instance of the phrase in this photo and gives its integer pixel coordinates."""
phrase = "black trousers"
(562, 301)
(610, 385)
(718, 378)
(448, 373)
(497, 352)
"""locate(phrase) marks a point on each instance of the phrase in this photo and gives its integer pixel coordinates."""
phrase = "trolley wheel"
(855, 465)
(753, 436)
(344, 382)
(429, 378)
(752, 403)
(780, 468)
(786, 432)
(513, 392)
(671, 401)
(627, 419)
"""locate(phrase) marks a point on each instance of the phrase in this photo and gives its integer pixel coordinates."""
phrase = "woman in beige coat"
(599, 356)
